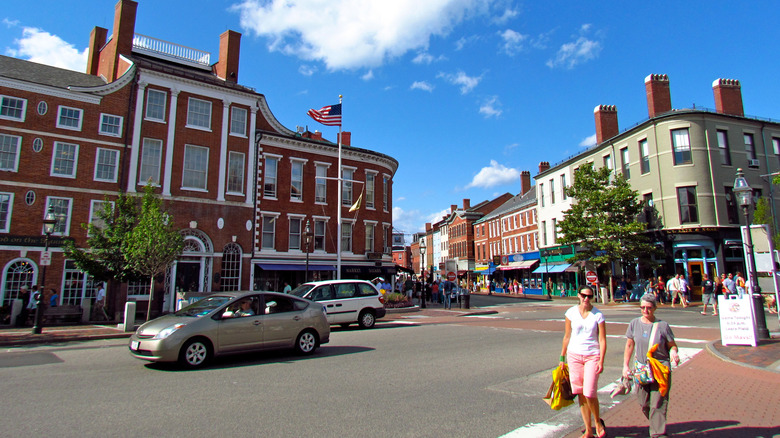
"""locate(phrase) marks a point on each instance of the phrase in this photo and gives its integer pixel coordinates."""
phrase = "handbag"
(643, 374)
(559, 394)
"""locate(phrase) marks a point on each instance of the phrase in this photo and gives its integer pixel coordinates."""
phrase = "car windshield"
(204, 306)
(301, 290)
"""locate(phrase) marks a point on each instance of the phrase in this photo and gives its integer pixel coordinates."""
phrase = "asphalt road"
(413, 376)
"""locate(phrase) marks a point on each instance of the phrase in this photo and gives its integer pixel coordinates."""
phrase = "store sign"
(737, 326)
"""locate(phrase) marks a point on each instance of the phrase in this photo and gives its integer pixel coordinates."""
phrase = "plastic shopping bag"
(559, 395)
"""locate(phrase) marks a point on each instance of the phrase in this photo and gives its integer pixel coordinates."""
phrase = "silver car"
(232, 322)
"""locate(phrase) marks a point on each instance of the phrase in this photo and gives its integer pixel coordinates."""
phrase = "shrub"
(396, 300)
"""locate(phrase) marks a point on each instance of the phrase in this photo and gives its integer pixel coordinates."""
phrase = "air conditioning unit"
(753, 163)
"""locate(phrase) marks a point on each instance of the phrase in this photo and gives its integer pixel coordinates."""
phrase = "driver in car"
(245, 308)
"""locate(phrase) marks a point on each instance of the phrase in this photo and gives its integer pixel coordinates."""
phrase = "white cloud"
(465, 41)
(506, 16)
(436, 217)
(496, 174)
(368, 76)
(513, 41)
(491, 108)
(42, 47)
(348, 34)
(576, 52)
(588, 141)
(427, 58)
(466, 82)
(422, 85)
(307, 70)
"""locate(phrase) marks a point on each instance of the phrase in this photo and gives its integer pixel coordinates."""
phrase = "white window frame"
(155, 105)
(237, 124)
(321, 182)
(644, 156)
(269, 158)
(197, 119)
(57, 161)
(370, 189)
(347, 235)
(6, 209)
(16, 153)
(370, 238)
(386, 193)
(106, 121)
(101, 152)
(95, 206)
(295, 233)
(682, 148)
(235, 174)
(296, 181)
(5, 104)
(320, 229)
(144, 175)
(347, 186)
(79, 119)
(195, 172)
(563, 186)
(60, 228)
(268, 230)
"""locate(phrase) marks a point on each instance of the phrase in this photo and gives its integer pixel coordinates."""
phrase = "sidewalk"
(19, 336)
(723, 392)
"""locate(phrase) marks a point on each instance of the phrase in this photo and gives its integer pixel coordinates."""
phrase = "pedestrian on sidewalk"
(685, 290)
(708, 294)
(448, 294)
(660, 290)
(585, 347)
(729, 285)
(740, 281)
(651, 400)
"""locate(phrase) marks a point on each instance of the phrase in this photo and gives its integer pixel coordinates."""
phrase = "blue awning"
(547, 268)
(280, 267)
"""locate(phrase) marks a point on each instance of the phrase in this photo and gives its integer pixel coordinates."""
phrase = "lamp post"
(307, 242)
(423, 245)
(48, 227)
(744, 194)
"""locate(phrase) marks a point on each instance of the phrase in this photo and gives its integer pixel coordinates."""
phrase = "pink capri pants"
(582, 373)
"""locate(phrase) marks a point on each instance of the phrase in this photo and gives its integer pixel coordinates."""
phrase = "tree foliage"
(603, 220)
(154, 243)
(103, 259)
(763, 215)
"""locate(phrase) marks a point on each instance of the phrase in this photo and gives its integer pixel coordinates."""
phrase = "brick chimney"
(121, 42)
(543, 166)
(659, 98)
(453, 208)
(427, 228)
(97, 39)
(525, 182)
(466, 203)
(229, 46)
(606, 122)
(346, 138)
(728, 96)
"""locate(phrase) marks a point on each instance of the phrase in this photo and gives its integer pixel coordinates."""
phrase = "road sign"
(451, 276)
(591, 277)
(45, 258)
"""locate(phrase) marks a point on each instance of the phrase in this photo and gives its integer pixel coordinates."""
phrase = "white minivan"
(345, 301)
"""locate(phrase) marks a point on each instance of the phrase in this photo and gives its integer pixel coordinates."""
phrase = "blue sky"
(465, 94)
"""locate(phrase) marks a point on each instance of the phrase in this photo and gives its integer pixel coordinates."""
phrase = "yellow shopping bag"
(559, 395)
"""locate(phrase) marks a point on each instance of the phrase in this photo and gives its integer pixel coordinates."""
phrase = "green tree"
(603, 220)
(763, 216)
(154, 243)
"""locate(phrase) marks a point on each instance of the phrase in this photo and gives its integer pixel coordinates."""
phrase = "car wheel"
(306, 342)
(366, 319)
(195, 353)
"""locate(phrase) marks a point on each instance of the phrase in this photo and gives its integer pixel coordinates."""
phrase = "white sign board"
(737, 326)
(45, 258)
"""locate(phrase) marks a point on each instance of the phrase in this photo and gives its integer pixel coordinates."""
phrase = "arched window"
(19, 273)
(231, 267)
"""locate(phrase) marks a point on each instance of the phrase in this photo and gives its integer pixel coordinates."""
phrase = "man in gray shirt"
(729, 284)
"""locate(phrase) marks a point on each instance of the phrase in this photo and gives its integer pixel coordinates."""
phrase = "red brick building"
(241, 187)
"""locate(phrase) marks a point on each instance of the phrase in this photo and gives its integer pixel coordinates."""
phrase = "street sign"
(451, 276)
(45, 258)
(591, 277)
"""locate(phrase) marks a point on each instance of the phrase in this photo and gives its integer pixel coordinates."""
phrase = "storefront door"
(695, 271)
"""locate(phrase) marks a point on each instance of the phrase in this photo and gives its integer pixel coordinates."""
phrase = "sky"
(465, 94)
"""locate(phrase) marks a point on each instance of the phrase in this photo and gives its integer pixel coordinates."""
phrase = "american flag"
(328, 115)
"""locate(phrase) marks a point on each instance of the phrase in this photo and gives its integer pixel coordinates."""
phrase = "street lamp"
(307, 241)
(744, 194)
(423, 245)
(48, 227)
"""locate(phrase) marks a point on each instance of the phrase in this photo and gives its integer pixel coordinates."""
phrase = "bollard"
(129, 321)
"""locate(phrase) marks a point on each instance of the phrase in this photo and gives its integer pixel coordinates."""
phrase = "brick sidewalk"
(59, 334)
(709, 397)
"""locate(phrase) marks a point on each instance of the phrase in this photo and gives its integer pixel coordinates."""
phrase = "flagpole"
(338, 205)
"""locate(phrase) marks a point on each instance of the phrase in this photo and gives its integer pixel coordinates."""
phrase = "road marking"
(567, 419)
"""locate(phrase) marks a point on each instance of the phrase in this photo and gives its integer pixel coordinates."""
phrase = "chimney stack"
(97, 39)
(466, 203)
(229, 47)
(525, 182)
(606, 122)
(121, 41)
(659, 98)
(427, 228)
(543, 166)
(346, 138)
(453, 208)
(728, 96)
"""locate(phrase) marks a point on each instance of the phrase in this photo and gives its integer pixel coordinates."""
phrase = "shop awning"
(525, 264)
(280, 267)
(547, 268)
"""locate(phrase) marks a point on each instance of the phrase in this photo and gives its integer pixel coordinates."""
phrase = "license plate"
(134, 345)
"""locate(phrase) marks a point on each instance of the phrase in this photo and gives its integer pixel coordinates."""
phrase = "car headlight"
(164, 333)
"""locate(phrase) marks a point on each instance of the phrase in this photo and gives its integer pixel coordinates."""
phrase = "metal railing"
(160, 47)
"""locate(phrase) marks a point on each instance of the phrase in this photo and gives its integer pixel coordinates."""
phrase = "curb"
(64, 339)
(710, 347)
